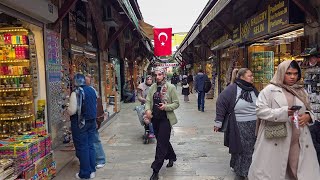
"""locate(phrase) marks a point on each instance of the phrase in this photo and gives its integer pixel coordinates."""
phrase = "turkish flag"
(162, 41)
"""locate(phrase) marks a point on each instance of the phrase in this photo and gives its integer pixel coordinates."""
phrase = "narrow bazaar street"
(200, 152)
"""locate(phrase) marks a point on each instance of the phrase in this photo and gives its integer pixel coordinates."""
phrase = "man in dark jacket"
(175, 79)
(200, 80)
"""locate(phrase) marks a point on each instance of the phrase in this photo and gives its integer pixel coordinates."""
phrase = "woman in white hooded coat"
(292, 156)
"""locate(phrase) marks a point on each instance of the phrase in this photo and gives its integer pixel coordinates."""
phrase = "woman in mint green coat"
(162, 100)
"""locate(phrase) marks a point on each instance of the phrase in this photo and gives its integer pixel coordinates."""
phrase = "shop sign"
(167, 64)
(222, 39)
(215, 10)
(273, 18)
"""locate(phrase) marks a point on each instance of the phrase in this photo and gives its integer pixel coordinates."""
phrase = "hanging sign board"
(271, 19)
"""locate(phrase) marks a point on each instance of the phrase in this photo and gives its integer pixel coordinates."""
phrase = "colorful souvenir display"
(16, 82)
(25, 150)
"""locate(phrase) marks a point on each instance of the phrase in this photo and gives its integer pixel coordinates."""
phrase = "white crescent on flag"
(163, 34)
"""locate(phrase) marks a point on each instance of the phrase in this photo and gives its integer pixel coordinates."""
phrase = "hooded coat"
(270, 157)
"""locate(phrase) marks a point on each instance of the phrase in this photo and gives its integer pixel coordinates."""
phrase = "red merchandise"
(162, 41)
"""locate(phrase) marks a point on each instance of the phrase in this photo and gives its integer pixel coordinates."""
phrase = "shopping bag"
(140, 111)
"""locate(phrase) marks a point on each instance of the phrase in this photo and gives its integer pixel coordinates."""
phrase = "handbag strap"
(238, 98)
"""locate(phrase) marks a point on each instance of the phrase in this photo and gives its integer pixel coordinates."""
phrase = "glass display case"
(262, 66)
(16, 82)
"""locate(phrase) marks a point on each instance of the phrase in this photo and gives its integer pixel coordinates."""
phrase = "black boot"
(155, 176)
(170, 163)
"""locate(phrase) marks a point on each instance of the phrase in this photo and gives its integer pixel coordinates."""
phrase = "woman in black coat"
(185, 88)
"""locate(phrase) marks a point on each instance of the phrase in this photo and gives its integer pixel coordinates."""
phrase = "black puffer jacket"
(315, 133)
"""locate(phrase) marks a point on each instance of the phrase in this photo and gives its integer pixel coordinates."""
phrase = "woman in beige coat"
(292, 156)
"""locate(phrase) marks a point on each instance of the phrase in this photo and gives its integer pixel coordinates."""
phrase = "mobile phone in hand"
(295, 108)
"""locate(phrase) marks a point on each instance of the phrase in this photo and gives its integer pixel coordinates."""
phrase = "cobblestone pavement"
(200, 152)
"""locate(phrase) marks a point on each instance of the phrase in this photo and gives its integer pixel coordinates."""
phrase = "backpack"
(207, 85)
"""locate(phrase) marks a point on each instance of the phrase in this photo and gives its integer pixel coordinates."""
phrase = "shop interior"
(23, 126)
(265, 56)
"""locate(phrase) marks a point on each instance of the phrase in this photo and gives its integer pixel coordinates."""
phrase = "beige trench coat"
(270, 157)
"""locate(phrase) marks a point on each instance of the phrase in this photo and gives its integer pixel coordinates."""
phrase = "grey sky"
(178, 14)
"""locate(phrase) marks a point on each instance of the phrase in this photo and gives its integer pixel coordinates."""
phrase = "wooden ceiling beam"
(116, 35)
(224, 26)
(130, 49)
(97, 21)
(63, 11)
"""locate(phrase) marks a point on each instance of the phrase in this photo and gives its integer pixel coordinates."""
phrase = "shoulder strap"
(237, 100)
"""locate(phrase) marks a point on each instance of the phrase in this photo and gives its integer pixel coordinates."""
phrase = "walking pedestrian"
(199, 87)
(100, 154)
(239, 99)
(190, 82)
(185, 88)
(162, 100)
(175, 80)
(83, 110)
(143, 90)
(282, 129)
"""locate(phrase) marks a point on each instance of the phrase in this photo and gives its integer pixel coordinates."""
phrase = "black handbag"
(225, 122)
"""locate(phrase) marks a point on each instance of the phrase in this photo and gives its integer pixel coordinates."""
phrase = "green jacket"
(173, 102)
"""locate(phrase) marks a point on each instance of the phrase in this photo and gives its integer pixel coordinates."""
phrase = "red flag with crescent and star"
(162, 41)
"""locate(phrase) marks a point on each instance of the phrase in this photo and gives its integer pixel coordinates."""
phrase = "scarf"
(246, 89)
(80, 100)
(296, 89)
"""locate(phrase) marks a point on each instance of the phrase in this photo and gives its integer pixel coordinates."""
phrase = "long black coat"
(185, 91)
(315, 133)
(225, 104)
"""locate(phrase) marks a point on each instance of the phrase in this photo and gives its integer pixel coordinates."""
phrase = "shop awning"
(146, 29)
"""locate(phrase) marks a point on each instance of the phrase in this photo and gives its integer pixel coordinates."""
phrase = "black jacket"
(225, 104)
(315, 133)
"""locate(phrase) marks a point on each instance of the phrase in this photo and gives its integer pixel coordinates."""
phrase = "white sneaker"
(77, 176)
(92, 175)
(100, 166)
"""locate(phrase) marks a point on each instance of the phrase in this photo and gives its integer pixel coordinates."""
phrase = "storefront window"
(265, 57)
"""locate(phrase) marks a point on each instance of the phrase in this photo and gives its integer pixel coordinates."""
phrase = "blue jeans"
(83, 143)
(100, 155)
(201, 95)
(151, 128)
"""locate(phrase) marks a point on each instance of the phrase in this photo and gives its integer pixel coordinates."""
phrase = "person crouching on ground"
(185, 88)
(83, 111)
(162, 100)
(128, 91)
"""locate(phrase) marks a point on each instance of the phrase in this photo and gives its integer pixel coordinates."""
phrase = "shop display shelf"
(14, 89)
(13, 29)
(14, 45)
(15, 118)
(16, 104)
(13, 76)
(15, 61)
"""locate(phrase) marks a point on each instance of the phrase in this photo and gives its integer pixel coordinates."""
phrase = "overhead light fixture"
(121, 12)
(84, 1)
